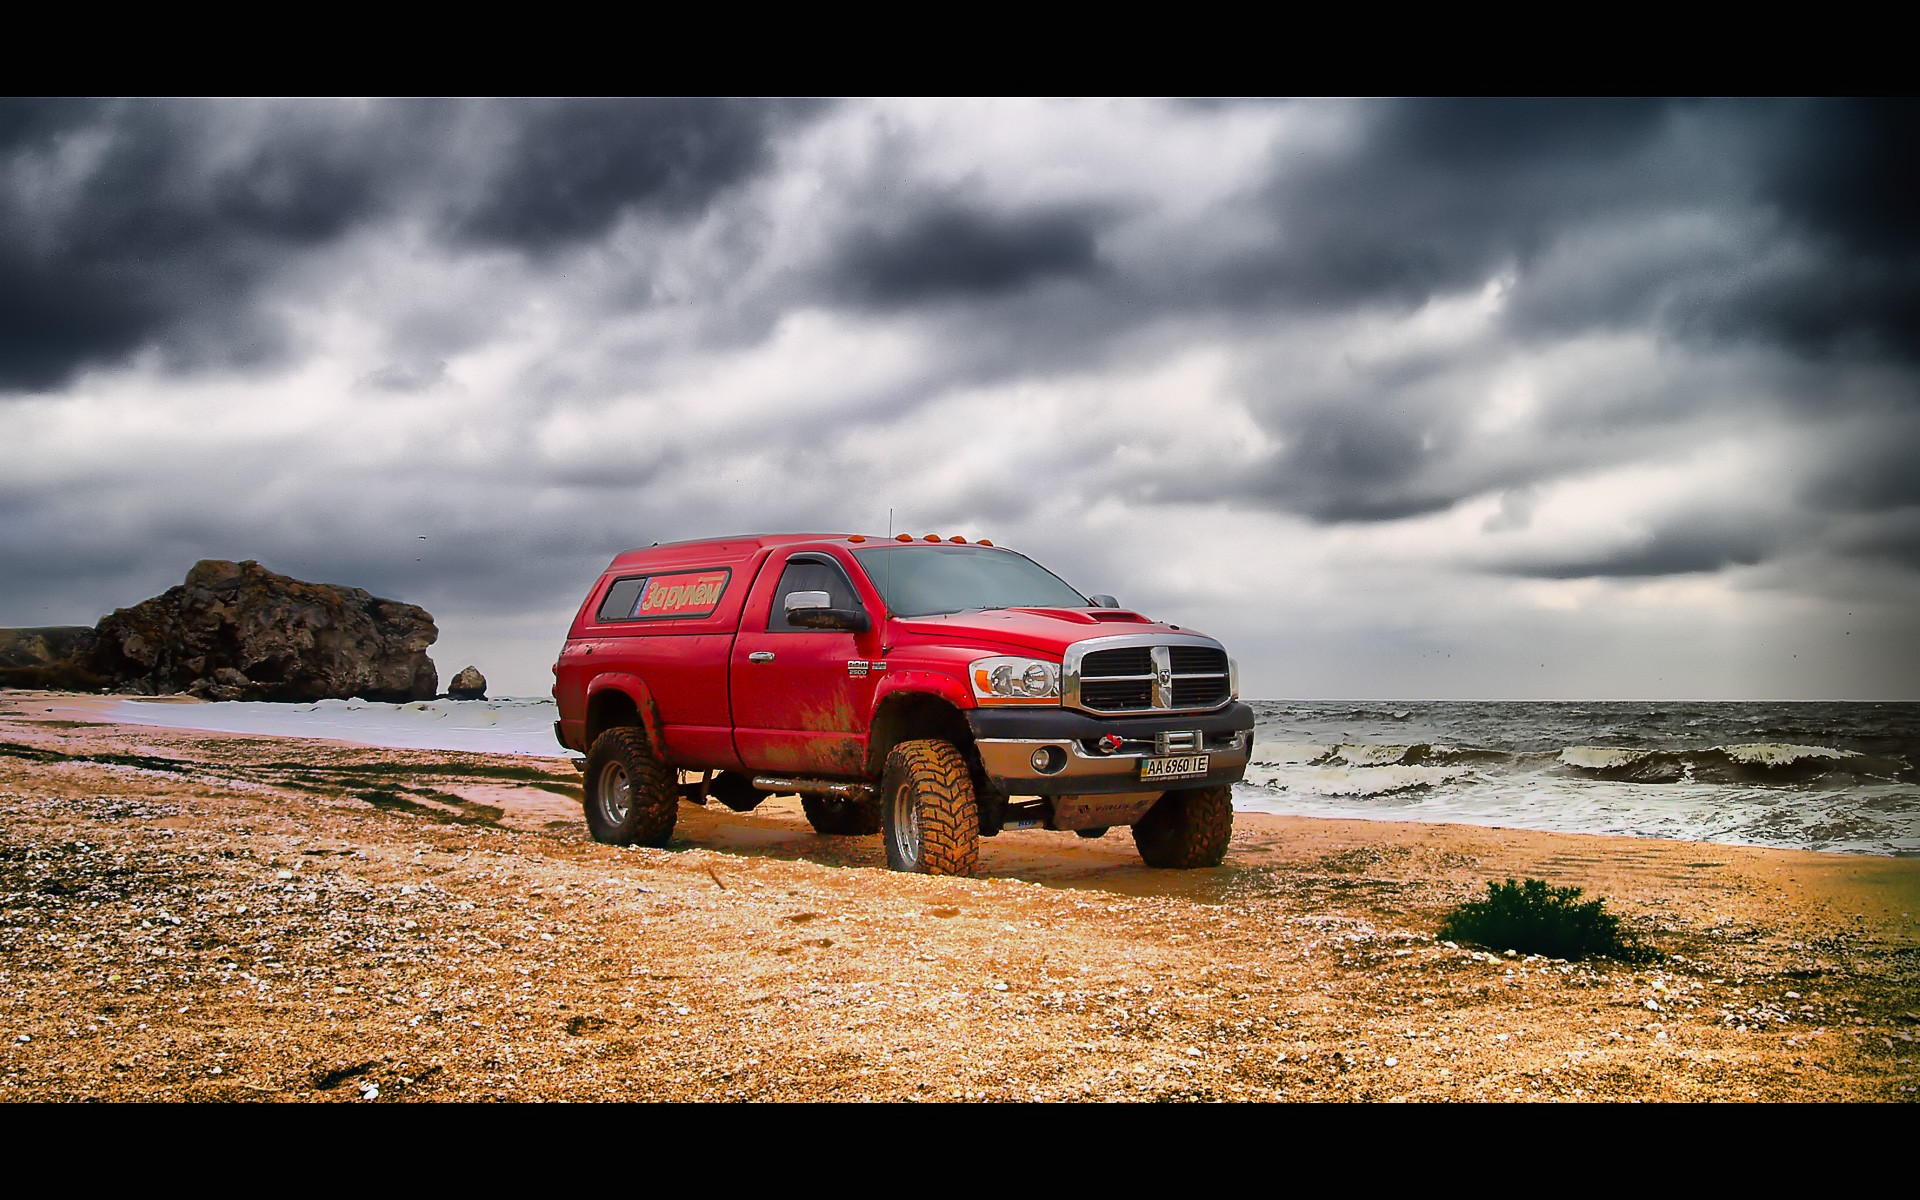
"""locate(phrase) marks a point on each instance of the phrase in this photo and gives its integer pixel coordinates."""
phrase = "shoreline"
(437, 926)
(1380, 774)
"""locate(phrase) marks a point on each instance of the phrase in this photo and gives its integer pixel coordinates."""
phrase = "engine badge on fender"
(856, 667)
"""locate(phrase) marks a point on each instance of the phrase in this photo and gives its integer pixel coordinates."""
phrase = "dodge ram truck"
(931, 690)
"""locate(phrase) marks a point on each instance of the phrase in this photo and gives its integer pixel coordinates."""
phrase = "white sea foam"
(1599, 758)
(504, 726)
(1276, 751)
(1780, 754)
(1366, 755)
(1350, 781)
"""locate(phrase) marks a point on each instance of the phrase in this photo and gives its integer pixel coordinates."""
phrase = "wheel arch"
(905, 714)
(617, 699)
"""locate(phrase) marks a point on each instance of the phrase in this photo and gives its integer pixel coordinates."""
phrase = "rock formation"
(53, 656)
(469, 684)
(237, 631)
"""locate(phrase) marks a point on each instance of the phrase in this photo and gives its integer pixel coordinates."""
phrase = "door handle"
(760, 656)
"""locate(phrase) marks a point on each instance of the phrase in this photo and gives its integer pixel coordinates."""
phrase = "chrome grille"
(1128, 660)
(1200, 693)
(1117, 695)
(1146, 673)
(1198, 660)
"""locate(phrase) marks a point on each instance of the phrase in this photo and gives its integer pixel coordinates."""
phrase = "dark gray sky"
(1416, 398)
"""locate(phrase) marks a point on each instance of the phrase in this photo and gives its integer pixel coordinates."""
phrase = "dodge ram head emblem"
(1162, 659)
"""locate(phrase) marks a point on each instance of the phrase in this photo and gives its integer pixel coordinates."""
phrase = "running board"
(781, 785)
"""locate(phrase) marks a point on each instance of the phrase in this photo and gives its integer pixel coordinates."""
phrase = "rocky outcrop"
(52, 656)
(469, 684)
(237, 631)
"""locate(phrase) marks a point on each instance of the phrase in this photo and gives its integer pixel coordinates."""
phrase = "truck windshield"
(920, 581)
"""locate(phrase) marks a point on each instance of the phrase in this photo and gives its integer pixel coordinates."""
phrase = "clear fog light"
(1048, 759)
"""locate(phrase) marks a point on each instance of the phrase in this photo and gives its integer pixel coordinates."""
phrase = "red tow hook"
(1110, 742)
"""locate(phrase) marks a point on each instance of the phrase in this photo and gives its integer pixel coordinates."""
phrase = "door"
(802, 697)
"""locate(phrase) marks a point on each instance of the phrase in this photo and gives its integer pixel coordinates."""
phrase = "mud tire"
(837, 817)
(1186, 829)
(652, 796)
(928, 811)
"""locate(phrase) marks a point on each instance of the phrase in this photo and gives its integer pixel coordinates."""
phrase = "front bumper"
(1007, 739)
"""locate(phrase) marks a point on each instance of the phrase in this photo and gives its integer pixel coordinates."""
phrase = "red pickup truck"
(930, 689)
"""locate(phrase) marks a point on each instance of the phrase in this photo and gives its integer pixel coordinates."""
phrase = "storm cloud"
(134, 225)
(951, 252)
(1360, 386)
(568, 170)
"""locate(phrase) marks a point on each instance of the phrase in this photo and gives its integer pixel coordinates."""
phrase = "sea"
(1812, 775)
(1816, 775)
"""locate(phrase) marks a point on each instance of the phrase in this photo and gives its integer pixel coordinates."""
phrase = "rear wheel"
(1186, 829)
(632, 798)
(931, 820)
(836, 815)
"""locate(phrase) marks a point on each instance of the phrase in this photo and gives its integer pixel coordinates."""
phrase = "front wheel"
(932, 822)
(1188, 828)
(631, 795)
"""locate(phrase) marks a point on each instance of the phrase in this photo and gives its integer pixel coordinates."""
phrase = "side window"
(810, 575)
(621, 597)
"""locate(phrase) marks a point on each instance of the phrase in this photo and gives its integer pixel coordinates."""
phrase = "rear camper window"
(656, 597)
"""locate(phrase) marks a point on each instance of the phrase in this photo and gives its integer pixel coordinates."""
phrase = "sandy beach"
(190, 915)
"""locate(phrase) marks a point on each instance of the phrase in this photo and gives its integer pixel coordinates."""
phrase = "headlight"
(1233, 679)
(1015, 681)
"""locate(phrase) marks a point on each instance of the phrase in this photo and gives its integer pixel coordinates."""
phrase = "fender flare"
(934, 683)
(636, 690)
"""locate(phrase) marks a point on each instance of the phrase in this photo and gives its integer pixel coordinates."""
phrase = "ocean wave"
(1362, 782)
(1367, 754)
(1750, 762)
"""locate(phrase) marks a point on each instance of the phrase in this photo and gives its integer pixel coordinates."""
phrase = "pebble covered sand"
(192, 916)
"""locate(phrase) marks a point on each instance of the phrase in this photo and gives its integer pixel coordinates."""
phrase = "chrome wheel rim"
(616, 794)
(906, 826)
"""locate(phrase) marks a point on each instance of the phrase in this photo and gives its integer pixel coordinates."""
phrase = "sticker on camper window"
(689, 594)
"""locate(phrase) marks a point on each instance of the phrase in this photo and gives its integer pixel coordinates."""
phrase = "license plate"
(1182, 767)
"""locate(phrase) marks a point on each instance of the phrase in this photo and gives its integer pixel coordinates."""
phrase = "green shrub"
(1535, 917)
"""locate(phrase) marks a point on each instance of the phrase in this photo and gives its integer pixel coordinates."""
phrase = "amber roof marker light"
(902, 537)
(985, 542)
(958, 541)
(933, 537)
(857, 537)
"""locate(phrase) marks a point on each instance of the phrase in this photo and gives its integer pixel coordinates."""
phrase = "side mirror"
(1104, 601)
(852, 620)
(799, 600)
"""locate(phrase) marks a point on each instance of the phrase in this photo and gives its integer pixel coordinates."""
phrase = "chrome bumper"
(1008, 763)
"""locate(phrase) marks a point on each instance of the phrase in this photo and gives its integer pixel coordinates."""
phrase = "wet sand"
(218, 916)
